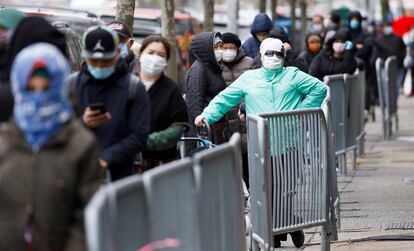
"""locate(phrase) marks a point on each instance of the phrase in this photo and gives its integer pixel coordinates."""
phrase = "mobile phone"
(98, 106)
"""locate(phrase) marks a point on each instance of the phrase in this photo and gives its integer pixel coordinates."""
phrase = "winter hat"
(100, 42)
(9, 18)
(231, 38)
(271, 44)
(279, 33)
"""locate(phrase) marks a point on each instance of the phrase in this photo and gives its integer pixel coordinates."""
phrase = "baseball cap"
(9, 18)
(121, 28)
(99, 42)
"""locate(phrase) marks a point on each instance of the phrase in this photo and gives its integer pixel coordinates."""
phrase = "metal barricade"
(219, 181)
(196, 202)
(339, 94)
(298, 161)
(387, 93)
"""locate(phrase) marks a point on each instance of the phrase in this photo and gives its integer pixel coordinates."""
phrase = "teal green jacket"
(265, 91)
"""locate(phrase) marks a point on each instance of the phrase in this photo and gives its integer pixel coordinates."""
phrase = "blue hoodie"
(261, 23)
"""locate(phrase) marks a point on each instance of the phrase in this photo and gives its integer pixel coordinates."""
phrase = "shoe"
(276, 244)
(277, 239)
(298, 238)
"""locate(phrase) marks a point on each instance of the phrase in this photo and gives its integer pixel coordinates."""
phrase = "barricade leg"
(325, 240)
(361, 144)
(354, 158)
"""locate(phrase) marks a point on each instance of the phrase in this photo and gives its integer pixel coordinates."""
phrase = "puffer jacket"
(233, 70)
(264, 91)
(48, 190)
(361, 39)
(261, 23)
(204, 79)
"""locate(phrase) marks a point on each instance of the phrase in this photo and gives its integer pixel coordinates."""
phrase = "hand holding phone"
(95, 115)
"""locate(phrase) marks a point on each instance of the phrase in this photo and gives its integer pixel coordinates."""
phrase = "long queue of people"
(121, 115)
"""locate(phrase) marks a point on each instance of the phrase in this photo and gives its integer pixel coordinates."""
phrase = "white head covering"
(272, 44)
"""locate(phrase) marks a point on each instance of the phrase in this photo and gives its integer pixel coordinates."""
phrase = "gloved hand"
(349, 45)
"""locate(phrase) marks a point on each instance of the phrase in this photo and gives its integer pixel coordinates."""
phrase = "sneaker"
(277, 239)
(298, 238)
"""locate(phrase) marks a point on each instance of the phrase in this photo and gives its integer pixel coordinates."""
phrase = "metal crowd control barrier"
(347, 93)
(388, 93)
(297, 156)
(335, 201)
(195, 202)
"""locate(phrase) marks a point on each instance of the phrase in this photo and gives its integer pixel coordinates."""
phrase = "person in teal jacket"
(271, 88)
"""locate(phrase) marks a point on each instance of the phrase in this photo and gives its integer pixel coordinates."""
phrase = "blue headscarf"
(40, 114)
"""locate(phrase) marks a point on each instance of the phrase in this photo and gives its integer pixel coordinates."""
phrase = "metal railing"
(387, 93)
(195, 202)
(297, 196)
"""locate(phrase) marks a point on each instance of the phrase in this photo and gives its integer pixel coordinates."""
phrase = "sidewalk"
(378, 195)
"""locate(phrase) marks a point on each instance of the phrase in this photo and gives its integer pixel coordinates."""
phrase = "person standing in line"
(125, 43)
(111, 101)
(49, 165)
(260, 29)
(271, 88)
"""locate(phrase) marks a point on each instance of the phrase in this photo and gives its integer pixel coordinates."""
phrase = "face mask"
(101, 73)
(272, 63)
(338, 47)
(218, 54)
(314, 47)
(317, 27)
(124, 50)
(354, 24)
(229, 55)
(152, 65)
(388, 30)
(261, 37)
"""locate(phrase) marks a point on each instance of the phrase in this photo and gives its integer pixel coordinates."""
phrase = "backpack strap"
(72, 81)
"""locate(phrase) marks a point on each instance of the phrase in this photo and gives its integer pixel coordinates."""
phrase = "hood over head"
(261, 23)
(342, 34)
(202, 47)
(354, 14)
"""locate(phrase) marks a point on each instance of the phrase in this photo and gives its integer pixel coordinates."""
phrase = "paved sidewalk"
(380, 192)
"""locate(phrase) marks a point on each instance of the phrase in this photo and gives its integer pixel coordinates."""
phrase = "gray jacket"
(233, 70)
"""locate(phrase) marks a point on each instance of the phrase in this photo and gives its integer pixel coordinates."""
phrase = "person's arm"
(139, 121)
(313, 90)
(90, 176)
(196, 91)
(315, 66)
(224, 101)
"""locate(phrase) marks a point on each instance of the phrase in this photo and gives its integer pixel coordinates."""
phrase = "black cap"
(121, 28)
(99, 42)
(231, 38)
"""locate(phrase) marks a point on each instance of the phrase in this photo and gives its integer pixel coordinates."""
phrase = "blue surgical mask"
(388, 30)
(101, 73)
(124, 50)
(354, 24)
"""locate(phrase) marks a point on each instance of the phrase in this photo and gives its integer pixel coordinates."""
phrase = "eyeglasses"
(270, 53)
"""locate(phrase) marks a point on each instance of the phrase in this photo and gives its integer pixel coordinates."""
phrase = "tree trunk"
(168, 31)
(125, 12)
(262, 6)
(232, 16)
(293, 18)
(385, 9)
(303, 22)
(208, 15)
(273, 6)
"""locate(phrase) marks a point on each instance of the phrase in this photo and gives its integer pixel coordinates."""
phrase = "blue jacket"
(261, 23)
(125, 134)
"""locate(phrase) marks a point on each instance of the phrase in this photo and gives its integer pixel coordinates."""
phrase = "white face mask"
(152, 65)
(229, 55)
(218, 54)
(272, 63)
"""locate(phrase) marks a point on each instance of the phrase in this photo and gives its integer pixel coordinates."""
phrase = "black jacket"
(167, 107)
(325, 64)
(361, 39)
(391, 45)
(307, 56)
(204, 79)
(125, 134)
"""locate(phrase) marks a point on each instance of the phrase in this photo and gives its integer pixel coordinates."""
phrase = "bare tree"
(262, 6)
(168, 31)
(385, 9)
(273, 6)
(233, 11)
(208, 15)
(293, 18)
(125, 12)
(303, 22)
